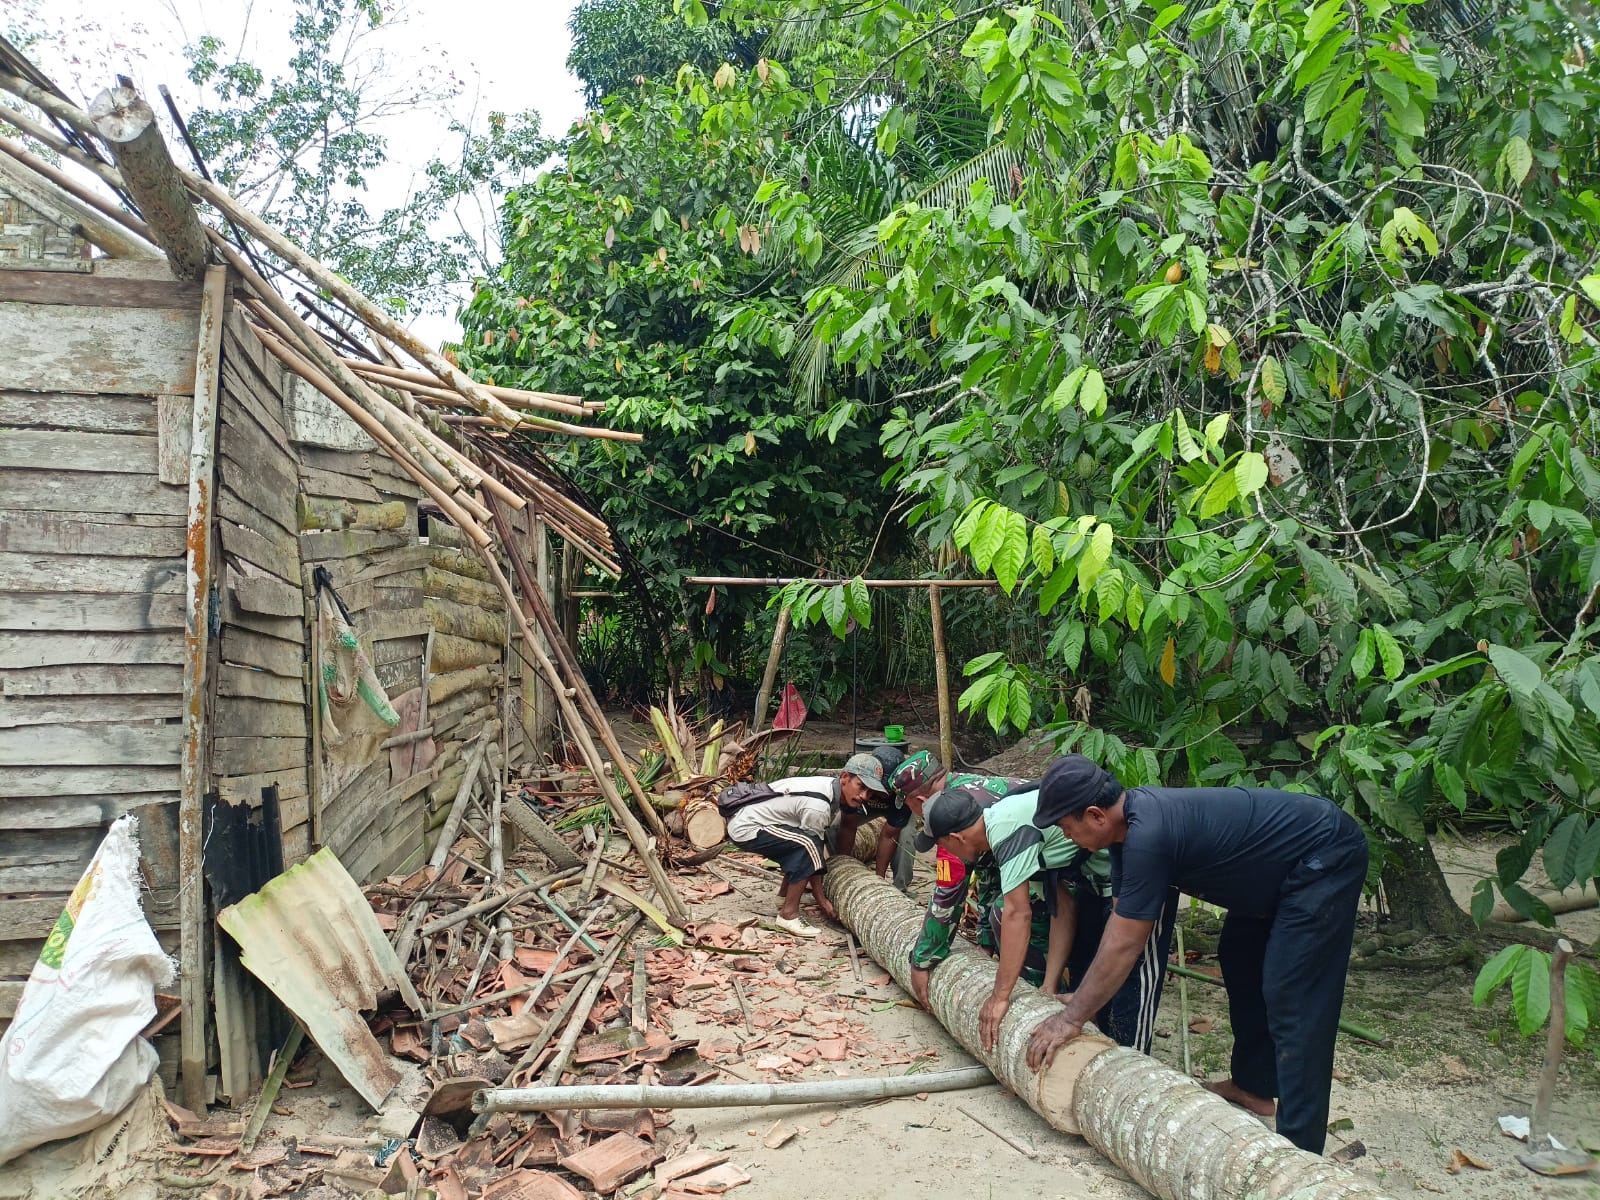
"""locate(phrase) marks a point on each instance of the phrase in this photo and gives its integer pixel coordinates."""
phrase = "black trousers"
(1285, 980)
(1129, 1017)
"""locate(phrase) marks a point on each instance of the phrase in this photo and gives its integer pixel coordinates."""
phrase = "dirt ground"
(1449, 1072)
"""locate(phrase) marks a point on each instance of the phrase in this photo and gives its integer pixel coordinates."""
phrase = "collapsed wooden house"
(196, 491)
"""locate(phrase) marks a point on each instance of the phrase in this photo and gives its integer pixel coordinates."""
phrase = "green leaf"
(1561, 851)
(1361, 661)
(1496, 971)
(859, 601)
(1586, 862)
(999, 702)
(1482, 902)
(1188, 448)
(1055, 587)
(1322, 19)
(1518, 672)
(1327, 579)
(1389, 652)
(989, 536)
(977, 691)
(1067, 390)
(1012, 553)
(1222, 491)
(1272, 381)
(1250, 473)
(1530, 990)
(1540, 515)
(1092, 395)
(1526, 905)
(1096, 557)
(983, 662)
(967, 526)
(1021, 710)
(835, 610)
(1518, 160)
(1044, 551)
(1436, 670)
(1451, 786)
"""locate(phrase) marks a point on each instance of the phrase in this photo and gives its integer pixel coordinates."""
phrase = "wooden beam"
(769, 677)
(196, 646)
(738, 581)
(128, 126)
(121, 236)
(941, 675)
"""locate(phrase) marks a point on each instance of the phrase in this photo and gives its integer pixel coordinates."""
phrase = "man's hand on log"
(919, 984)
(1049, 1036)
(989, 1018)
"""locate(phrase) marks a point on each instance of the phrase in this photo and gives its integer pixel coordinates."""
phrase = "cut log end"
(704, 826)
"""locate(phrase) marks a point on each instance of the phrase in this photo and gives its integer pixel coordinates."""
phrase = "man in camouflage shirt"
(1068, 889)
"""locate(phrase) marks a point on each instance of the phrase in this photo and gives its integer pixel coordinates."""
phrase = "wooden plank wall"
(260, 728)
(91, 573)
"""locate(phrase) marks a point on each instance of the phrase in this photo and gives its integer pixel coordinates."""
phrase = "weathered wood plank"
(293, 783)
(52, 649)
(87, 781)
(235, 506)
(350, 543)
(106, 743)
(263, 485)
(19, 711)
(56, 287)
(10, 997)
(267, 594)
(91, 573)
(398, 599)
(92, 679)
(383, 625)
(246, 442)
(259, 685)
(91, 492)
(45, 860)
(252, 755)
(73, 450)
(269, 548)
(97, 414)
(285, 629)
(396, 650)
(328, 484)
(247, 648)
(353, 464)
(174, 436)
(73, 812)
(243, 717)
(33, 532)
(402, 676)
(77, 612)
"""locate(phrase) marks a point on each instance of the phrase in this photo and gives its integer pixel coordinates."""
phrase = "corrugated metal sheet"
(311, 937)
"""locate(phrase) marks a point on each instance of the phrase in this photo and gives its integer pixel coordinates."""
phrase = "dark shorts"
(798, 851)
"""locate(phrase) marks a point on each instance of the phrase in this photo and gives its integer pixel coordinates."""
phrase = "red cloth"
(792, 710)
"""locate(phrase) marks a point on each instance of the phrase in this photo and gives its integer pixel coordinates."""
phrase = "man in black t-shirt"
(1289, 868)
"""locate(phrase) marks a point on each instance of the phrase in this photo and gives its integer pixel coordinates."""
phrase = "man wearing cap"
(1289, 868)
(1070, 889)
(908, 782)
(959, 824)
(791, 830)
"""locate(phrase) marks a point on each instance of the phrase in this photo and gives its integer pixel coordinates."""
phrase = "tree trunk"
(1176, 1139)
(1417, 895)
(703, 824)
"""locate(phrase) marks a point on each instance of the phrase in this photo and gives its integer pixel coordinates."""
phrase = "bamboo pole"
(127, 124)
(406, 938)
(195, 764)
(781, 581)
(769, 677)
(619, 809)
(941, 675)
(591, 993)
(590, 707)
(425, 384)
(1176, 1139)
(727, 1095)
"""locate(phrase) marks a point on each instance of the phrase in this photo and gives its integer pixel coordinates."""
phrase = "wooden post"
(1176, 1139)
(769, 677)
(1539, 1123)
(941, 675)
(128, 126)
(570, 608)
(535, 699)
(194, 768)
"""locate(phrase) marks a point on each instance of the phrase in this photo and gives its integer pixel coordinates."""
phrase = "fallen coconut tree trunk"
(1176, 1139)
(731, 1095)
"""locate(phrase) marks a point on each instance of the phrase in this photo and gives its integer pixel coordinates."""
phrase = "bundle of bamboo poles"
(409, 430)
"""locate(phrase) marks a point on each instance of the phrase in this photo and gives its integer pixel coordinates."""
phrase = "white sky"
(509, 55)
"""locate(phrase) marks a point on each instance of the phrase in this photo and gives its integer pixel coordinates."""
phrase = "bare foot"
(1230, 1091)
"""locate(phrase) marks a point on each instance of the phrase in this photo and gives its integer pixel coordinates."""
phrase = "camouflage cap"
(917, 771)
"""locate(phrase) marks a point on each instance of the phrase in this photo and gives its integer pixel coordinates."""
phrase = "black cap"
(951, 811)
(1072, 784)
